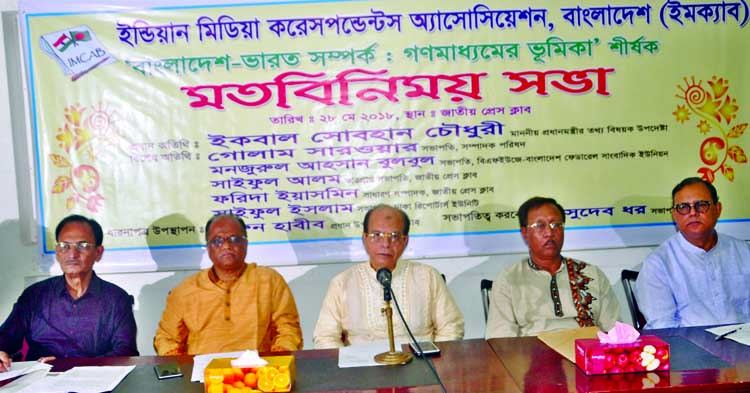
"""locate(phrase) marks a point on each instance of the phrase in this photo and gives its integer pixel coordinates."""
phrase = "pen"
(723, 335)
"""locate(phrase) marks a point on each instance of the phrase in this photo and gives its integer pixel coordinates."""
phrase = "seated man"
(548, 291)
(231, 306)
(698, 276)
(74, 315)
(352, 308)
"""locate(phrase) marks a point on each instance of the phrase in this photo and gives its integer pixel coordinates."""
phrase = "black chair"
(485, 286)
(628, 278)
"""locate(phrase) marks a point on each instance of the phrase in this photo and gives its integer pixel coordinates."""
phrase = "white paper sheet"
(361, 355)
(21, 368)
(742, 335)
(81, 380)
(22, 384)
(201, 361)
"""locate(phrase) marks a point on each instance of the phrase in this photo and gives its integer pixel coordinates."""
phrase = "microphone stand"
(391, 357)
(419, 352)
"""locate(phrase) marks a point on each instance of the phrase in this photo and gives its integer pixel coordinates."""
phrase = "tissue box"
(648, 353)
(276, 376)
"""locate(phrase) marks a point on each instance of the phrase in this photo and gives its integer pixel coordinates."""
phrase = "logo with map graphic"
(76, 49)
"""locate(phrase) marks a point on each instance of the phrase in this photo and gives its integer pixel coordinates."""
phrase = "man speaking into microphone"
(352, 308)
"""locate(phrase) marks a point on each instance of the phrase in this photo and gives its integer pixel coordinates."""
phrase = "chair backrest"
(24, 350)
(628, 278)
(485, 287)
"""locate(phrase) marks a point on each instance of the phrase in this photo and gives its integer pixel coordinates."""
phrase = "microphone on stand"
(391, 357)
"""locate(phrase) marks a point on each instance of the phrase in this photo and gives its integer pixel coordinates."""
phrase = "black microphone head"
(384, 276)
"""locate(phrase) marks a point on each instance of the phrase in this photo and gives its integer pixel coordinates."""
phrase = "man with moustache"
(352, 309)
(74, 315)
(698, 276)
(547, 291)
(231, 306)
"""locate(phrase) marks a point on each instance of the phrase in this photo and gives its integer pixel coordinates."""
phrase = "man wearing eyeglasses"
(352, 308)
(231, 306)
(74, 315)
(698, 276)
(548, 291)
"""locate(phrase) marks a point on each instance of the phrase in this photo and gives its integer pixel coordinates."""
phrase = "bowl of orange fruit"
(276, 376)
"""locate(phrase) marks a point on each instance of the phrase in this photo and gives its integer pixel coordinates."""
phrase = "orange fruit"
(228, 376)
(271, 371)
(239, 384)
(251, 380)
(281, 381)
(265, 384)
(216, 388)
(238, 374)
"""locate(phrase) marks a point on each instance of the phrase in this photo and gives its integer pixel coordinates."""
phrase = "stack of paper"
(361, 355)
(21, 368)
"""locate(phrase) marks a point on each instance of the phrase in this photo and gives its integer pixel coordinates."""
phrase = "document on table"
(742, 335)
(94, 379)
(201, 361)
(362, 355)
(21, 368)
(24, 383)
(564, 341)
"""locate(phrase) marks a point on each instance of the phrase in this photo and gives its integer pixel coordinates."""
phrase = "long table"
(463, 366)
(698, 364)
(522, 364)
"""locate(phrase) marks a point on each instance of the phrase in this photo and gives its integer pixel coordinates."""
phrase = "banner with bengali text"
(300, 116)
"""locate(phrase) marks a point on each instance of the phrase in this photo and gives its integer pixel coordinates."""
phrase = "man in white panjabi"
(546, 291)
(352, 308)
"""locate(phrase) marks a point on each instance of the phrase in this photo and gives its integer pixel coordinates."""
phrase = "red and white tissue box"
(647, 353)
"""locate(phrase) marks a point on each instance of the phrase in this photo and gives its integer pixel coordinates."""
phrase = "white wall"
(18, 261)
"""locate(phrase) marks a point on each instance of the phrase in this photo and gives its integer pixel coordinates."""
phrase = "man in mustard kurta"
(231, 306)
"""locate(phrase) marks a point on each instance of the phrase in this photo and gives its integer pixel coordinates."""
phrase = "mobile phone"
(167, 370)
(428, 348)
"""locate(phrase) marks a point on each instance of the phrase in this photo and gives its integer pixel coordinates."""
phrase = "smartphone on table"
(428, 348)
(167, 370)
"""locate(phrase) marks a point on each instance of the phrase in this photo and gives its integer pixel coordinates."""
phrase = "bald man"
(351, 311)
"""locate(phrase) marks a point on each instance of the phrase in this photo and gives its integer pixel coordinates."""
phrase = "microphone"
(384, 277)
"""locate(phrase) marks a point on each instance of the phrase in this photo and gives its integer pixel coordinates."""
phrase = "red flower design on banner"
(716, 111)
(80, 183)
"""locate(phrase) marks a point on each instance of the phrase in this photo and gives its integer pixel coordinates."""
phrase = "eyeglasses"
(699, 206)
(380, 236)
(234, 240)
(541, 226)
(82, 246)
